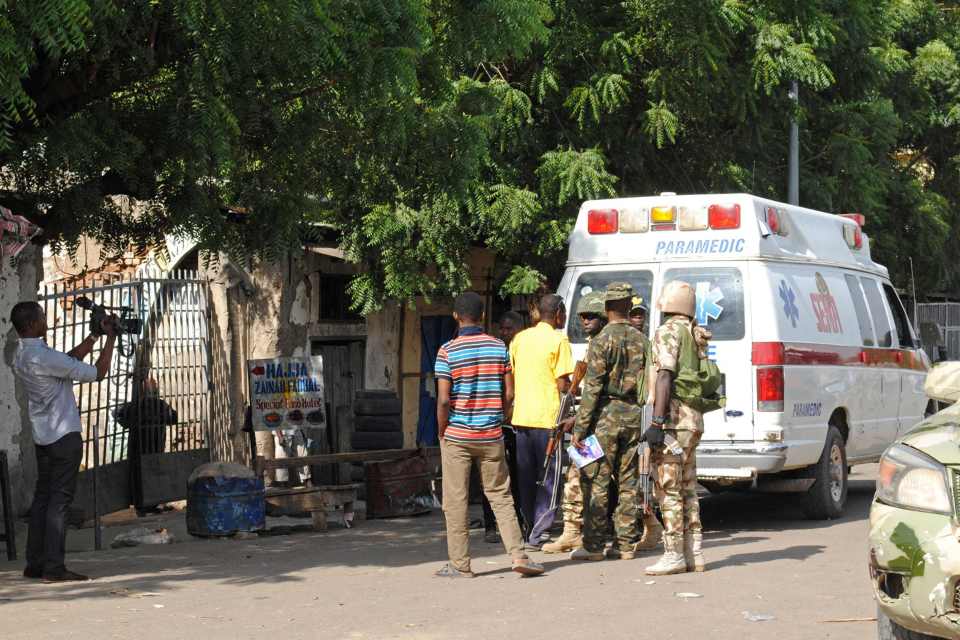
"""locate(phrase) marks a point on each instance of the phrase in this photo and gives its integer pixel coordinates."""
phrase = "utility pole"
(793, 170)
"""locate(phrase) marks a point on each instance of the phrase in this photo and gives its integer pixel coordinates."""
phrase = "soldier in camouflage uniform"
(611, 409)
(592, 314)
(676, 475)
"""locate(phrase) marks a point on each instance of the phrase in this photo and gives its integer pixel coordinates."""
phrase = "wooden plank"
(262, 464)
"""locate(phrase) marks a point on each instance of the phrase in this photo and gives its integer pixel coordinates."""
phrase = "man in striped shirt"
(473, 381)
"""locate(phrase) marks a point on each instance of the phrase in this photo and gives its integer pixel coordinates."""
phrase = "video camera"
(122, 324)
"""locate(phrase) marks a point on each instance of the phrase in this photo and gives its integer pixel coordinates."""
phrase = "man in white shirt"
(47, 377)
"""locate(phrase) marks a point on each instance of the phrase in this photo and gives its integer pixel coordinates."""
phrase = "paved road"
(375, 582)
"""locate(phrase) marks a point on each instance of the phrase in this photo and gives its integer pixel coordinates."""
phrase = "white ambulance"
(822, 367)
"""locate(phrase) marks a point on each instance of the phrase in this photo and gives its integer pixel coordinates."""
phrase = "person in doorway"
(146, 418)
(638, 315)
(590, 310)
(676, 475)
(474, 384)
(47, 377)
(612, 409)
(510, 324)
(542, 363)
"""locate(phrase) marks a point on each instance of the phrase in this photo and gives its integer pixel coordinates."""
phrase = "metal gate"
(146, 425)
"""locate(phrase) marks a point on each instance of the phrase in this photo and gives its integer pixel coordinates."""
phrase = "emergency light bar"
(642, 219)
(724, 217)
(635, 220)
(854, 235)
(776, 220)
(601, 221)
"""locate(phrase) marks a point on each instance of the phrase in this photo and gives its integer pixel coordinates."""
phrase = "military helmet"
(678, 297)
(618, 291)
(637, 304)
(591, 303)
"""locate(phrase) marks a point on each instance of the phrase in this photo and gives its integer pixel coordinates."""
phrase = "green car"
(914, 526)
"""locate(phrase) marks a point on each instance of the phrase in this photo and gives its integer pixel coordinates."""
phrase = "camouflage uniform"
(611, 409)
(676, 476)
(572, 505)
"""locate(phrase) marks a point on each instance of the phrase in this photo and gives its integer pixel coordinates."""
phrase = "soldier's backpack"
(698, 380)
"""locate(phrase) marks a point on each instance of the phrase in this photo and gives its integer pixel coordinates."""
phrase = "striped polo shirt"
(475, 364)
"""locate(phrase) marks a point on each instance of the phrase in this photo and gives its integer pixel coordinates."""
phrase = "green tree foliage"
(417, 129)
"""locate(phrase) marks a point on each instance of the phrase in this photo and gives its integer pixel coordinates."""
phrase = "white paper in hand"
(591, 451)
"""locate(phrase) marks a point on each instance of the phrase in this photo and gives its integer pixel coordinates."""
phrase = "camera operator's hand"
(109, 325)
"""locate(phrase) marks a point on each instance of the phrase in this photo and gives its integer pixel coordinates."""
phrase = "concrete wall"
(17, 283)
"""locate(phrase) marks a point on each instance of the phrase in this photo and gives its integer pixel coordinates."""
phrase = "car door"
(885, 358)
(912, 361)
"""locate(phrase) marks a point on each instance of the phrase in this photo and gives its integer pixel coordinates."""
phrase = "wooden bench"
(317, 500)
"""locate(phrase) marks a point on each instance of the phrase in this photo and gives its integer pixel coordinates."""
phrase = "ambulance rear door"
(721, 308)
(579, 281)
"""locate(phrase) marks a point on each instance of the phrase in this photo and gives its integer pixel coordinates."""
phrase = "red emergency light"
(724, 216)
(859, 218)
(600, 221)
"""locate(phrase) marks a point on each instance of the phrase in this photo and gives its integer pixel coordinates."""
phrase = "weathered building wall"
(481, 264)
(16, 284)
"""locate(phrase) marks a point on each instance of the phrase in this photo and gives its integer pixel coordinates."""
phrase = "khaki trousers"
(456, 459)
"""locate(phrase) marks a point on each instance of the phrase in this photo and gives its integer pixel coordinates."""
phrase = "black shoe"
(491, 536)
(65, 576)
(34, 574)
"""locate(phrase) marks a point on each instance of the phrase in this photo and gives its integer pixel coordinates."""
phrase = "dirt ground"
(375, 581)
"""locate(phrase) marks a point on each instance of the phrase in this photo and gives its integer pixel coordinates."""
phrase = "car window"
(860, 307)
(905, 335)
(871, 288)
(641, 280)
(719, 299)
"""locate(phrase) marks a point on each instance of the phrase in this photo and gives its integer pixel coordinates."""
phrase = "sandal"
(448, 571)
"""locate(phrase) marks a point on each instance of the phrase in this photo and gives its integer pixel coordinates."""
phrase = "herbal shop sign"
(287, 393)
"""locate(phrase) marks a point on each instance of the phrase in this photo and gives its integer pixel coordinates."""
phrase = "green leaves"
(570, 175)
(779, 58)
(661, 124)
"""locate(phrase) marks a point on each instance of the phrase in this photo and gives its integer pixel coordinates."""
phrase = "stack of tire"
(377, 421)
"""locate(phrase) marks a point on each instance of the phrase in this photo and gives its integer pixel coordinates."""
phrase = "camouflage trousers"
(619, 465)
(572, 505)
(675, 486)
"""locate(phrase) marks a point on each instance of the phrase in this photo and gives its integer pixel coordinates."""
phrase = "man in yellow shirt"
(542, 364)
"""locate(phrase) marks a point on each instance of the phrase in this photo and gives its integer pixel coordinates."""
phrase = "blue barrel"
(219, 506)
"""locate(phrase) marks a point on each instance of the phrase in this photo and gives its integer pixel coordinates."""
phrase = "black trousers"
(58, 466)
(510, 444)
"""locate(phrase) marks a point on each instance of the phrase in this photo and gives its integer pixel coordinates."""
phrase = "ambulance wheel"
(828, 495)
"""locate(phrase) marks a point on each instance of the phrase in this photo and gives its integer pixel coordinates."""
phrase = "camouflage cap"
(639, 305)
(591, 303)
(618, 291)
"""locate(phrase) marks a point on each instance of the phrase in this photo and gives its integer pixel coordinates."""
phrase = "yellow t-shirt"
(539, 355)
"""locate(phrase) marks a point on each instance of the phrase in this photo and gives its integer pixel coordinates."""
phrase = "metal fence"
(945, 317)
(170, 357)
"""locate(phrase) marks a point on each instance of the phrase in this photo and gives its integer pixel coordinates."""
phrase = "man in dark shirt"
(511, 323)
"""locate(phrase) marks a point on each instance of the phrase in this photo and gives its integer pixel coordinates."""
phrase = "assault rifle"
(646, 470)
(567, 401)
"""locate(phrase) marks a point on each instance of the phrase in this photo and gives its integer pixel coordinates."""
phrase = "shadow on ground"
(378, 546)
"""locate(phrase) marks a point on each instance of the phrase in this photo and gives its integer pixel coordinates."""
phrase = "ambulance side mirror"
(943, 382)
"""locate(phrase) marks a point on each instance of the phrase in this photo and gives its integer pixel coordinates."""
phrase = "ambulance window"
(719, 299)
(642, 282)
(900, 322)
(879, 312)
(863, 319)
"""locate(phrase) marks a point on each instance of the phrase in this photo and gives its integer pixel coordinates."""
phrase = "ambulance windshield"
(642, 282)
(719, 299)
